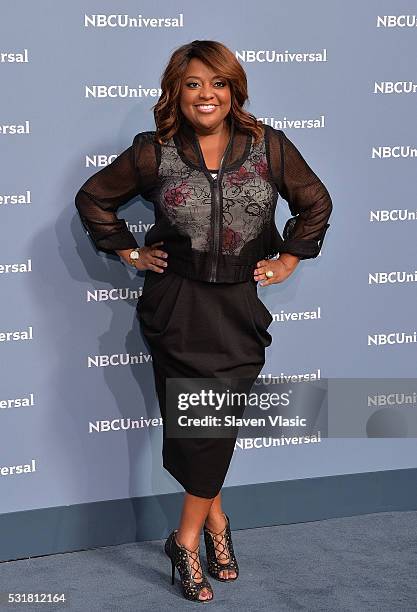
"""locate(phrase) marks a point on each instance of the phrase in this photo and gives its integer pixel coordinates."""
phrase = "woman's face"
(205, 98)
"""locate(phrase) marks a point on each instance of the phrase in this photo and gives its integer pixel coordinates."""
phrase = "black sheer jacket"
(214, 229)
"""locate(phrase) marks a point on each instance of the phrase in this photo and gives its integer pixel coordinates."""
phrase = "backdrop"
(78, 82)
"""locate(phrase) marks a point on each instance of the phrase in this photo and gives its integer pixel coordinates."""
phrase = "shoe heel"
(183, 560)
(172, 571)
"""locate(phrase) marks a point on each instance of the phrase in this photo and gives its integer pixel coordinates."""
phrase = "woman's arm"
(308, 199)
(103, 193)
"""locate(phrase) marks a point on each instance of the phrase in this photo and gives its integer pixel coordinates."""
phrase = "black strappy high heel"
(186, 561)
(224, 547)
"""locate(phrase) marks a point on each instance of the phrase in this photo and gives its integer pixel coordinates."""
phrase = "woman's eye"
(190, 83)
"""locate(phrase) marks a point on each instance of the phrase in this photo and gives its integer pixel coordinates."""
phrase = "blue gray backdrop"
(340, 79)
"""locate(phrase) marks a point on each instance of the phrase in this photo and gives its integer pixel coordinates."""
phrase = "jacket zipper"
(216, 230)
(218, 209)
(217, 221)
(215, 190)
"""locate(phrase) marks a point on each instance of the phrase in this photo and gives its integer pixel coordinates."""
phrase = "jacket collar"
(187, 129)
(188, 132)
(188, 147)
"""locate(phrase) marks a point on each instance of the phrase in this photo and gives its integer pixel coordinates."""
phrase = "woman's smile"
(206, 108)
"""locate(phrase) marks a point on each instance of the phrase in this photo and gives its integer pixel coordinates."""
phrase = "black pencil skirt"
(201, 330)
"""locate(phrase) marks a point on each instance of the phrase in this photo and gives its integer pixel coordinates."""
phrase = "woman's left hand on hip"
(281, 268)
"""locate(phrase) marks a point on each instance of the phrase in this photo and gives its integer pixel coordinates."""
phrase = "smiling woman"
(205, 102)
(201, 74)
(213, 172)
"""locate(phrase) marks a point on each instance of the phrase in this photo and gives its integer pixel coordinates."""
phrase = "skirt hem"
(191, 490)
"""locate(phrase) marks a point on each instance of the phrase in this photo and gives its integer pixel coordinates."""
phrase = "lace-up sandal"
(219, 546)
(188, 565)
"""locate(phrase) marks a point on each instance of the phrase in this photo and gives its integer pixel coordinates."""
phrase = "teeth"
(206, 105)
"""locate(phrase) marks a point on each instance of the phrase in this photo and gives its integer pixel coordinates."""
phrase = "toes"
(227, 574)
(205, 594)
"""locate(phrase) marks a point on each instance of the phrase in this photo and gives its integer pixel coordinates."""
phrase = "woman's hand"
(150, 257)
(282, 268)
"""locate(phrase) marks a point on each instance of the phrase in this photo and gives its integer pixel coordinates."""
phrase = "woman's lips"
(206, 108)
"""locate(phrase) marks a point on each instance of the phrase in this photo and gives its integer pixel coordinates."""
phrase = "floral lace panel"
(248, 200)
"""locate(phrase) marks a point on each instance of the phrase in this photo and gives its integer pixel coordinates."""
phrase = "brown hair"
(218, 57)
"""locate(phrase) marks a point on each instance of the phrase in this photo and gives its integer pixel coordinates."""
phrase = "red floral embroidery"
(261, 167)
(177, 195)
(239, 177)
(231, 240)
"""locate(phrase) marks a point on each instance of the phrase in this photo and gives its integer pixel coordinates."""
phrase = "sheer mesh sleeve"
(97, 201)
(307, 197)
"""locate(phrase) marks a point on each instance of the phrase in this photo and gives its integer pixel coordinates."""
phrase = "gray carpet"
(348, 564)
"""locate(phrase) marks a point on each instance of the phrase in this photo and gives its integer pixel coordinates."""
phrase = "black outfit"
(202, 316)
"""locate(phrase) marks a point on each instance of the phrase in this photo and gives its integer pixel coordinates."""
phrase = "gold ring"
(269, 274)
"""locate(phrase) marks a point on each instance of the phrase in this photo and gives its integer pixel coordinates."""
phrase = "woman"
(214, 174)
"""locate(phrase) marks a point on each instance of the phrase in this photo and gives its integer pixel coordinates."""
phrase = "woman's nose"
(206, 93)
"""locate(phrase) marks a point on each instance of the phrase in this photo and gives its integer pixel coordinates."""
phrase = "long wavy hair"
(167, 111)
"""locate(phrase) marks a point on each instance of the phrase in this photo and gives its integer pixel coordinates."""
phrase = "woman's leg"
(194, 512)
(216, 522)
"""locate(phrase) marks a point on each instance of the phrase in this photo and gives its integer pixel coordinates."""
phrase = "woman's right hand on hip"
(150, 257)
